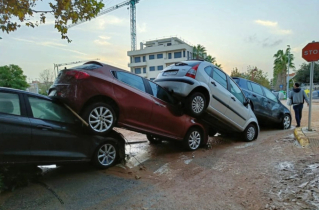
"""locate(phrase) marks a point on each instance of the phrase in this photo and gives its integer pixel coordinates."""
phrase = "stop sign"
(311, 52)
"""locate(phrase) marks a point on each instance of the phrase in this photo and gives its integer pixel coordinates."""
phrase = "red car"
(106, 96)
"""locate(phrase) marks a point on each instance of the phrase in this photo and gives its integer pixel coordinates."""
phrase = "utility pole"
(288, 71)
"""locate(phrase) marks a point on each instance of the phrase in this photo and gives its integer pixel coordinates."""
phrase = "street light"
(288, 71)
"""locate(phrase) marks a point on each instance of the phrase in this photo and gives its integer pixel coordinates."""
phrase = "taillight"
(192, 72)
(78, 74)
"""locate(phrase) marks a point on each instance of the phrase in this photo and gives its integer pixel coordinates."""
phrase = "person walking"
(298, 96)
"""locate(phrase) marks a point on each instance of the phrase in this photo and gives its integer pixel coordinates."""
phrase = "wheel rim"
(194, 140)
(251, 133)
(100, 119)
(198, 104)
(106, 154)
(286, 122)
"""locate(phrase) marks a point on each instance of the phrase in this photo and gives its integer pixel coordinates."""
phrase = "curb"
(300, 136)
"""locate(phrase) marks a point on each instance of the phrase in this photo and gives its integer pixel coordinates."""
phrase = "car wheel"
(196, 104)
(250, 132)
(153, 139)
(286, 122)
(106, 155)
(100, 117)
(193, 139)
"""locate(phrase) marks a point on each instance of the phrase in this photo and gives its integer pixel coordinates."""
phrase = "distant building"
(153, 56)
(34, 87)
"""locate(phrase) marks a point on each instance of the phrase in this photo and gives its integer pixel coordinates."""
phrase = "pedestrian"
(298, 96)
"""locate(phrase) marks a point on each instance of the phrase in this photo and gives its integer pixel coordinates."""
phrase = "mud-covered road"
(273, 172)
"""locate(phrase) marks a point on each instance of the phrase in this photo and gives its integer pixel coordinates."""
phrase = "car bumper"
(180, 86)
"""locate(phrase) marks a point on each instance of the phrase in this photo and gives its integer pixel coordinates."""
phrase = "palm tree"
(198, 51)
(280, 66)
(210, 59)
(218, 65)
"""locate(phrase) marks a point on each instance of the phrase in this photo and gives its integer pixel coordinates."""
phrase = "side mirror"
(246, 102)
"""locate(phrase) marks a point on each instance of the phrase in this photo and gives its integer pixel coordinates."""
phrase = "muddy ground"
(273, 172)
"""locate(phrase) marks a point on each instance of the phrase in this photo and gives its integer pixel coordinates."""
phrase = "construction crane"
(132, 4)
(56, 66)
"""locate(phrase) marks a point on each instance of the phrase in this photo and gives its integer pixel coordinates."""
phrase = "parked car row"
(187, 102)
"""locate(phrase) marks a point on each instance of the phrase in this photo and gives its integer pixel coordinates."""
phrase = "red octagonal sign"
(311, 52)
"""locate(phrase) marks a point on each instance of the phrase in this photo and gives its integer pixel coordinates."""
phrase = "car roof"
(25, 92)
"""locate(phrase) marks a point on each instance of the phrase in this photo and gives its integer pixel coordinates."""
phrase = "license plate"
(169, 73)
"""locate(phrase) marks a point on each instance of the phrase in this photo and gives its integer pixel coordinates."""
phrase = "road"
(273, 172)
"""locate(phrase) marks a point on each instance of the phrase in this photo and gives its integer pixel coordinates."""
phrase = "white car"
(209, 93)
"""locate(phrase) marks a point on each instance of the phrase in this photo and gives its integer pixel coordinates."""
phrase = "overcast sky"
(238, 33)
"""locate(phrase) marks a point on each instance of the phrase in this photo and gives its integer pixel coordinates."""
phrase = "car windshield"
(88, 66)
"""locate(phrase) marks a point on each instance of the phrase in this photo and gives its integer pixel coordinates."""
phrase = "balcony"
(136, 64)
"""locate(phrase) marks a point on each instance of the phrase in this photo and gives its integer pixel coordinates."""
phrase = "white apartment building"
(153, 56)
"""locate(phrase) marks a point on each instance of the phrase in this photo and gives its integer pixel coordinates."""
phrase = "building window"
(177, 54)
(159, 68)
(152, 68)
(137, 70)
(144, 70)
(169, 55)
(187, 55)
(151, 57)
(152, 79)
(191, 55)
(169, 44)
(159, 56)
(184, 53)
(144, 59)
(137, 59)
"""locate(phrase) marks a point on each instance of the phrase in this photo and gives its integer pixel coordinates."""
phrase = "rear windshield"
(89, 66)
(188, 63)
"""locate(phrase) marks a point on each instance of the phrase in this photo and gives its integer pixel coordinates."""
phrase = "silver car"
(209, 93)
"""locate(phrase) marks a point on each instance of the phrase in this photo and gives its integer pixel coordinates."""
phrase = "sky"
(239, 33)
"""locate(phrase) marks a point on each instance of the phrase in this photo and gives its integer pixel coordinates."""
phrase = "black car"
(35, 129)
(266, 106)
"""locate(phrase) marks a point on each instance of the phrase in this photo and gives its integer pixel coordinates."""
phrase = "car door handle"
(213, 83)
(159, 104)
(233, 98)
(44, 127)
(254, 95)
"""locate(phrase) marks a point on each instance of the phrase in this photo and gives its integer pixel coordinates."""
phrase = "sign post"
(311, 54)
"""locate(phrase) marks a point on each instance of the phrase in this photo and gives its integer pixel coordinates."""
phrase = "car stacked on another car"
(106, 96)
(265, 104)
(204, 87)
(37, 130)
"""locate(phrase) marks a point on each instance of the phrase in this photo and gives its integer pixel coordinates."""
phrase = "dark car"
(37, 130)
(106, 96)
(266, 106)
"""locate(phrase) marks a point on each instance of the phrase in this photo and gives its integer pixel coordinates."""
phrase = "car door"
(55, 134)
(259, 100)
(15, 128)
(218, 87)
(135, 104)
(237, 112)
(166, 117)
(273, 108)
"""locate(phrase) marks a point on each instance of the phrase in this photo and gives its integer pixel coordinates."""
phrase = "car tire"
(101, 118)
(193, 139)
(286, 122)
(106, 155)
(196, 104)
(250, 133)
(153, 139)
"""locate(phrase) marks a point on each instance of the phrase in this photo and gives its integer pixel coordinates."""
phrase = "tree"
(280, 67)
(12, 77)
(210, 59)
(12, 13)
(199, 51)
(303, 73)
(46, 79)
(254, 74)
(218, 65)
